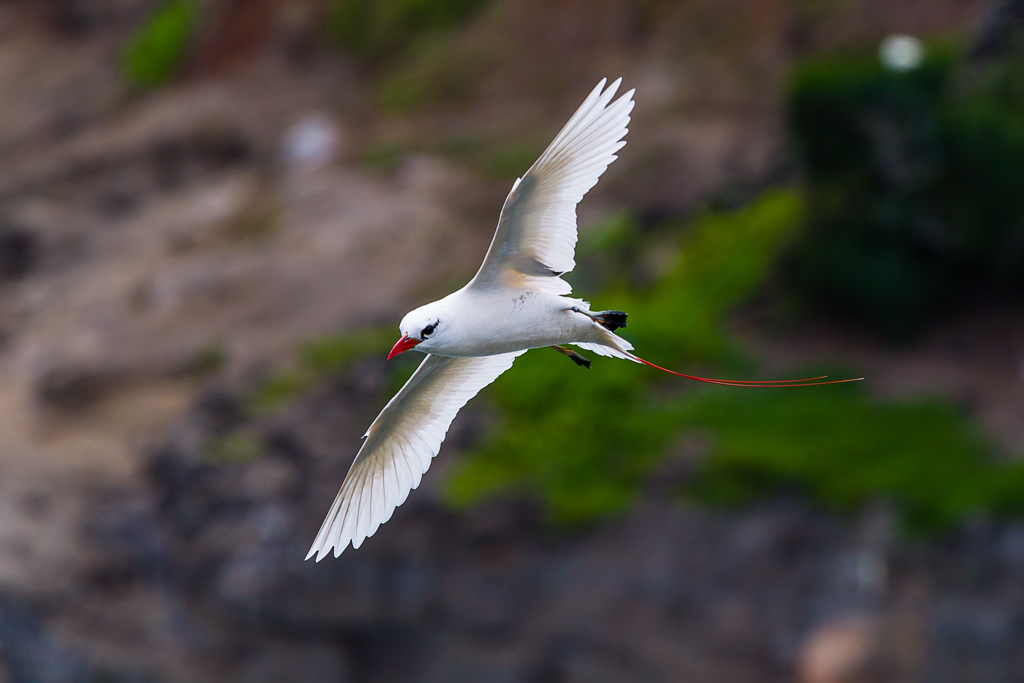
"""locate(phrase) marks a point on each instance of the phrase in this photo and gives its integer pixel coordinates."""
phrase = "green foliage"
(277, 390)
(234, 448)
(435, 69)
(843, 450)
(208, 360)
(382, 155)
(498, 161)
(373, 29)
(156, 52)
(611, 256)
(912, 183)
(442, 65)
(415, 48)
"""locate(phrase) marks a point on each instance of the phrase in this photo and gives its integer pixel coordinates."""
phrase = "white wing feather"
(536, 237)
(609, 350)
(400, 445)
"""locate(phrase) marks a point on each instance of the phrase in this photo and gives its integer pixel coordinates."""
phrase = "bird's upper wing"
(400, 444)
(536, 236)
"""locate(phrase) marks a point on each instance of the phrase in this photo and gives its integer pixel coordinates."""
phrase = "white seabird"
(516, 301)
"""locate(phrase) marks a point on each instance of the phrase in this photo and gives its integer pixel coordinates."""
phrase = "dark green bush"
(913, 185)
(374, 29)
(843, 450)
(156, 52)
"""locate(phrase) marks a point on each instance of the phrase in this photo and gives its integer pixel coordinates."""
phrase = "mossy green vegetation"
(234, 448)
(158, 49)
(377, 30)
(419, 51)
(207, 360)
(382, 156)
(435, 68)
(494, 159)
(843, 450)
(444, 64)
(912, 185)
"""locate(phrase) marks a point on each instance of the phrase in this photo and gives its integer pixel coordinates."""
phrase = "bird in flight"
(516, 302)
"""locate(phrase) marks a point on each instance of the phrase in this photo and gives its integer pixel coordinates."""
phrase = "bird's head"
(420, 328)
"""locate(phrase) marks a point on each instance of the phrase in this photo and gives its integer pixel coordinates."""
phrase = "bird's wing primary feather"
(536, 237)
(400, 445)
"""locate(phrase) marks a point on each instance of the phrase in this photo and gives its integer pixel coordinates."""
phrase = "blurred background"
(213, 214)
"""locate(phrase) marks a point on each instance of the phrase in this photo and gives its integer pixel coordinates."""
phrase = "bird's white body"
(514, 303)
(484, 322)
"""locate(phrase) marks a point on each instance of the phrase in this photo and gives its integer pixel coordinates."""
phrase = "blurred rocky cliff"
(191, 191)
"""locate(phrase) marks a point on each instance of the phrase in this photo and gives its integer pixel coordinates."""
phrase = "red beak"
(403, 345)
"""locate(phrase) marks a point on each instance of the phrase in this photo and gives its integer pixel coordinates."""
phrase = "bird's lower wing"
(400, 445)
(536, 237)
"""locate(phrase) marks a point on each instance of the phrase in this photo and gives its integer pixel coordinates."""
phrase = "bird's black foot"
(611, 320)
(576, 358)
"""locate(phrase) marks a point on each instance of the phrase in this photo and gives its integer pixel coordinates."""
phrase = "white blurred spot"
(311, 142)
(901, 52)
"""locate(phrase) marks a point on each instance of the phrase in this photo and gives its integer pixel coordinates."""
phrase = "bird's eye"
(428, 330)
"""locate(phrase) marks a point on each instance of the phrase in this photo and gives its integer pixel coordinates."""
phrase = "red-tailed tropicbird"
(515, 302)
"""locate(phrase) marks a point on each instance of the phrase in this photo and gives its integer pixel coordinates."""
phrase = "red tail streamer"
(754, 383)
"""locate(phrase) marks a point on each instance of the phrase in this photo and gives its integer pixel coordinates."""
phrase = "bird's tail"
(614, 346)
(749, 383)
(604, 342)
(607, 343)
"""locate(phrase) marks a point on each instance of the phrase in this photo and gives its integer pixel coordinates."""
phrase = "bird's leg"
(577, 309)
(576, 358)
